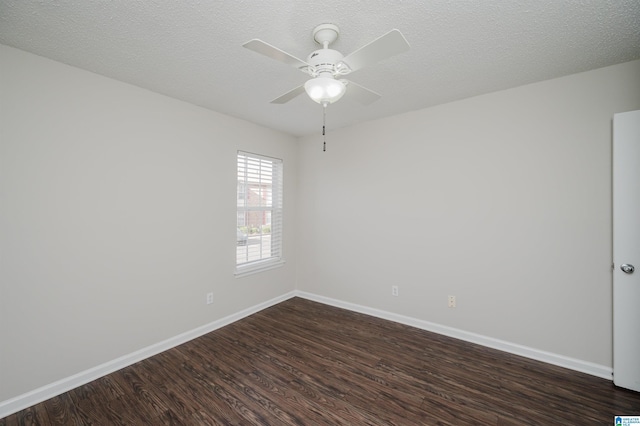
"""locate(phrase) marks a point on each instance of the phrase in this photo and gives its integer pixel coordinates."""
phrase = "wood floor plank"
(62, 410)
(96, 393)
(196, 395)
(305, 363)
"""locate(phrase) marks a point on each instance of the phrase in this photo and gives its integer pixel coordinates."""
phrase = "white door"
(626, 250)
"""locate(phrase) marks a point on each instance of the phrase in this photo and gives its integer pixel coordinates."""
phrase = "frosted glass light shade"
(324, 90)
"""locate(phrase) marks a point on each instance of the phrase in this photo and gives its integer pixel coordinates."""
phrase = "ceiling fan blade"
(274, 53)
(381, 48)
(361, 94)
(289, 95)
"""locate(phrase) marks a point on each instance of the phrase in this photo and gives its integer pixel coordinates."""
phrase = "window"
(259, 213)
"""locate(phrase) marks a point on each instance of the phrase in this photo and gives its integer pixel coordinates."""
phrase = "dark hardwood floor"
(304, 363)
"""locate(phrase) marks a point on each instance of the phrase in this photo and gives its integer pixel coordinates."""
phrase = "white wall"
(118, 216)
(503, 200)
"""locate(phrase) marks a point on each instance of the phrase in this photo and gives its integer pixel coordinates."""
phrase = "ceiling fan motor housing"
(326, 62)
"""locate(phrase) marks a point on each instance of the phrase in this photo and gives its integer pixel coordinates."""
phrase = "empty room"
(293, 212)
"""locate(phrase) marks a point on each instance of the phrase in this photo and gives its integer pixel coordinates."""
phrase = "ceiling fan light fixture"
(325, 90)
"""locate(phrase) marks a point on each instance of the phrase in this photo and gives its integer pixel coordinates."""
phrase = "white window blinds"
(259, 213)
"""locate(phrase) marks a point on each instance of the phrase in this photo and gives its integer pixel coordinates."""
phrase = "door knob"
(627, 269)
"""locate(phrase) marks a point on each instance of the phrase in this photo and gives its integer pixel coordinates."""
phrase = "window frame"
(248, 163)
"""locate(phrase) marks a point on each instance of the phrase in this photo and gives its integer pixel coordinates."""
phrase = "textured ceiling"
(192, 49)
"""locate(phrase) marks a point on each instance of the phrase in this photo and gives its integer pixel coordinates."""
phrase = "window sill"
(243, 271)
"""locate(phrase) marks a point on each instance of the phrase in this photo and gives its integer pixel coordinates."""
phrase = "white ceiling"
(192, 49)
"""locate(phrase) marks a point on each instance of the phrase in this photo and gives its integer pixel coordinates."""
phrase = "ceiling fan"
(326, 65)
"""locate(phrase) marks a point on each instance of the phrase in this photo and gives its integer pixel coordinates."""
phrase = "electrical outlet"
(452, 301)
(209, 298)
(394, 290)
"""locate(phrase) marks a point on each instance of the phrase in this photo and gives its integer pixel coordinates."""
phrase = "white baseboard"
(513, 348)
(64, 385)
(43, 393)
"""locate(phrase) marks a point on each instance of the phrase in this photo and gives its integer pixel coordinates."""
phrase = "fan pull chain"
(324, 120)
